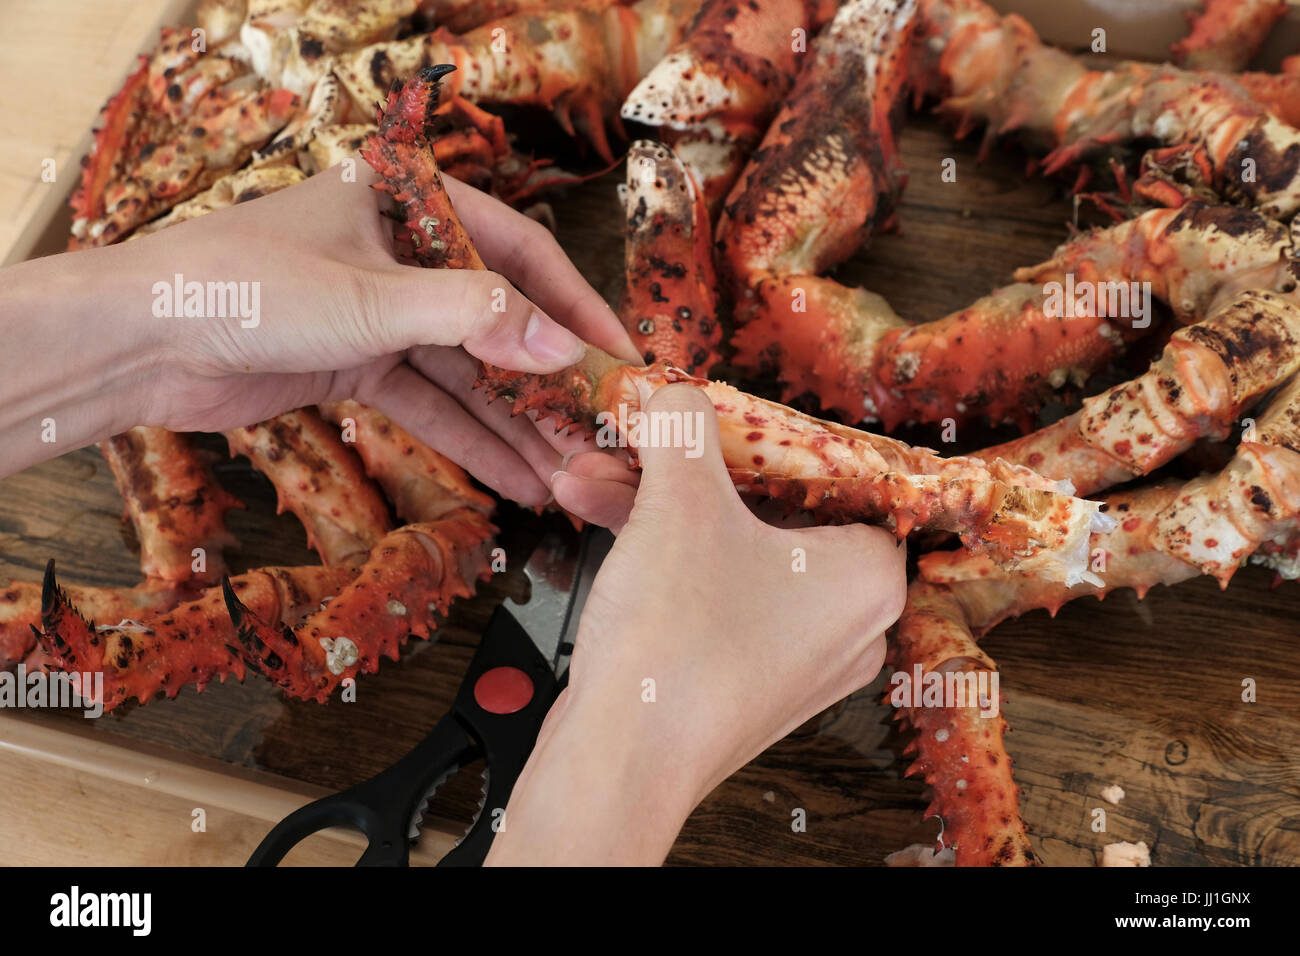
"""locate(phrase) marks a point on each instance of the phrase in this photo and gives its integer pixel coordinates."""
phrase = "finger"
(525, 250)
(438, 420)
(599, 501)
(454, 372)
(480, 311)
(602, 465)
(682, 461)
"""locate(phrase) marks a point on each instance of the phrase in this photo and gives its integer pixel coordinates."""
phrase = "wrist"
(85, 352)
(601, 788)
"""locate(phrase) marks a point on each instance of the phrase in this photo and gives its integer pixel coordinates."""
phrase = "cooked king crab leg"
(191, 643)
(1226, 33)
(160, 647)
(1164, 533)
(958, 752)
(577, 61)
(412, 576)
(319, 480)
(175, 504)
(1205, 378)
(994, 70)
(670, 293)
(827, 171)
(422, 485)
(714, 93)
(839, 473)
(1005, 353)
(174, 129)
(20, 609)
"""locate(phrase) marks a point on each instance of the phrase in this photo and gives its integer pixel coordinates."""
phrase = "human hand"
(339, 317)
(746, 631)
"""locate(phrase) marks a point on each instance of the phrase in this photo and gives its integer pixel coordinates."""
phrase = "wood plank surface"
(1146, 694)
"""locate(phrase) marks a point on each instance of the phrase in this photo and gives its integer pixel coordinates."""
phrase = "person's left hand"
(340, 317)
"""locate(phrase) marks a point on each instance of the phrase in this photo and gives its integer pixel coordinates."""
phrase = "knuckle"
(493, 303)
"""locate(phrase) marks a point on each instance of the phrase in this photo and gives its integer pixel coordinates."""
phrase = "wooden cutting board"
(1144, 694)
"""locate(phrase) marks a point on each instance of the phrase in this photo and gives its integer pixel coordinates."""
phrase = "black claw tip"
(233, 604)
(433, 74)
(49, 589)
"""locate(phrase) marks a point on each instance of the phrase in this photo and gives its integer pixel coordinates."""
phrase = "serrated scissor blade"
(560, 572)
(485, 777)
(417, 818)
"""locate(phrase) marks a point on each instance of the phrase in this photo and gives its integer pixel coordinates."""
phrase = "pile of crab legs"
(788, 205)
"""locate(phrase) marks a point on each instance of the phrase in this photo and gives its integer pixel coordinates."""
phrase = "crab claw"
(263, 649)
(72, 642)
(411, 105)
(67, 636)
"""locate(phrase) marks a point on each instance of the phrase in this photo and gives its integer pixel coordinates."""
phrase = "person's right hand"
(708, 635)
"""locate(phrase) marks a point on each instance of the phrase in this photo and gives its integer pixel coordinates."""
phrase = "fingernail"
(548, 341)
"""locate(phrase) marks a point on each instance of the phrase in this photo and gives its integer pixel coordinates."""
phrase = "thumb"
(485, 314)
(681, 456)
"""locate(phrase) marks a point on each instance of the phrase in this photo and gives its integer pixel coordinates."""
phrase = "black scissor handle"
(383, 807)
(380, 808)
(507, 739)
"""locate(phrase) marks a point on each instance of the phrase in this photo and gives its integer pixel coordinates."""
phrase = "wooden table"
(1147, 695)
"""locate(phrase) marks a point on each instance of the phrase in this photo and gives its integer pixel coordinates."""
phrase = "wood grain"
(1146, 695)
